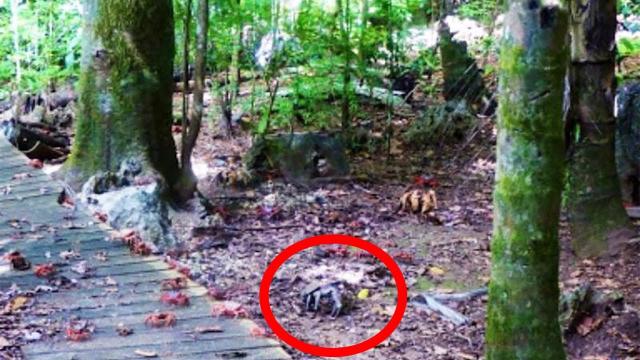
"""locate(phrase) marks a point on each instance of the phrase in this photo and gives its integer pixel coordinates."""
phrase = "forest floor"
(229, 250)
(450, 255)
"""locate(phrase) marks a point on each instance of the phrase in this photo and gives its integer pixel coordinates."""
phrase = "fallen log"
(37, 141)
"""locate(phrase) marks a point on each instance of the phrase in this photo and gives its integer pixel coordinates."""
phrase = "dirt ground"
(228, 248)
(450, 255)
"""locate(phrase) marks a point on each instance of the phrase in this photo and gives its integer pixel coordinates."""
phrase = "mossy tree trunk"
(125, 88)
(594, 201)
(523, 294)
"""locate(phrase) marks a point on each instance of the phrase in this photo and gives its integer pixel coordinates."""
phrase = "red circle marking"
(358, 348)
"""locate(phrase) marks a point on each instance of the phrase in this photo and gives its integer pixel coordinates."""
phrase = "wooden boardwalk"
(124, 289)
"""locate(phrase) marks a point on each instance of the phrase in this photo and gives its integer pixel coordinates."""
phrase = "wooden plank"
(116, 292)
(38, 249)
(269, 353)
(9, 173)
(32, 183)
(184, 329)
(110, 319)
(130, 296)
(93, 298)
(28, 278)
(219, 349)
(29, 191)
(117, 255)
(199, 306)
(13, 199)
(87, 250)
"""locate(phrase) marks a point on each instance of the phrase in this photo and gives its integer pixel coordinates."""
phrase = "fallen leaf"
(384, 310)
(258, 331)
(18, 302)
(4, 342)
(32, 336)
(436, 271)
(146, 354)
(588, 325)
(208, 329)
(123, 330)
(363, 294)
(36, 163)
(81, 268)
(438, 350)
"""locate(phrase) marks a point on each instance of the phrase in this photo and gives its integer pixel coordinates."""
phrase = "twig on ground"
(460, 296)
(432, 302)
(428, 303)
(367, 191)
(213, 229)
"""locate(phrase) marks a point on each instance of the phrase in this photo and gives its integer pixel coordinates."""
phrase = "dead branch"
(431, 302)
(469, 295)
(426, 302)
(210, 230)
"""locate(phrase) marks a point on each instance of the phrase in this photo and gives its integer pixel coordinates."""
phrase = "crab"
(229, 309)
(142, 249)
(258, 331)
(404, 257)
(339, 250)
(174, 284)
(18, 261)
(175, 298)
(45, 270)
(162, 319)
(315, 293)
(79, 330)
(135, 243)
(419, 201)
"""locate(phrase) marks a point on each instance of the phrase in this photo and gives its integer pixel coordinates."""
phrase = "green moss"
(424, 284)
(594, 199)
(523, 292)
(126, 87)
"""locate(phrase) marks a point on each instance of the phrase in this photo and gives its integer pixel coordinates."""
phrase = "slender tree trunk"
(188, 182)
(344, 9)
(523, 296)
(15, 28)
(185, 161)
(126, 89)
(391, 62)
(185, 74)
(237, 51)
(596, 214)
(363, 31)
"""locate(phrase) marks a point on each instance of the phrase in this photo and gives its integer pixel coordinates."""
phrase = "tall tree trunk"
(15, 28)
(523, 295)
(185, 80)
(345, 31)
(596, 214)
(188, 181)
(237, 50)
(125, 88)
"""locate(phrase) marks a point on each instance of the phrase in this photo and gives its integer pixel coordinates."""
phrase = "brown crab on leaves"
(334, 298)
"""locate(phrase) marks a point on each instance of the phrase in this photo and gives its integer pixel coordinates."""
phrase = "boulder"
(462, 77)
(628, 142)
(130, 206)
(299, 157)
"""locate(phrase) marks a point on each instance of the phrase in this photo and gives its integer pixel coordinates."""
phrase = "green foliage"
(628, 47)
(48, 43)
(480, 10)
(629, 7)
